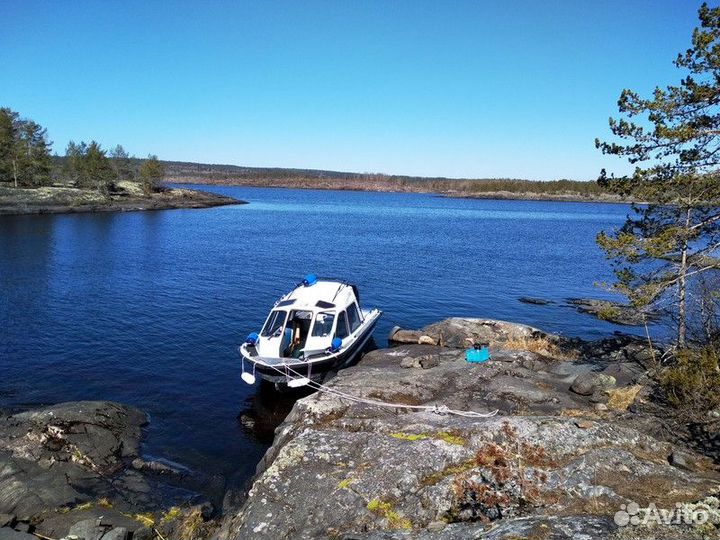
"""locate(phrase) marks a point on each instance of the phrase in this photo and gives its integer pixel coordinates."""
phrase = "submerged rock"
(549, 464)
(534, 301)
(613, 312)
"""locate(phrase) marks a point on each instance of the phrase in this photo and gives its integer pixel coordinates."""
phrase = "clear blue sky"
(463, 89)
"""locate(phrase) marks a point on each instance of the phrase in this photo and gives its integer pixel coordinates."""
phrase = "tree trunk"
(682, 285)
(15, 172)
(682, 293)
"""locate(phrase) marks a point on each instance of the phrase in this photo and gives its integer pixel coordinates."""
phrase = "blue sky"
(459, 88)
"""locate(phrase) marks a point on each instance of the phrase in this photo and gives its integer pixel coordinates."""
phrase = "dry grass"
(510, 462)
(395, 397)
(542, 346)
(622, 398)
(191, 525)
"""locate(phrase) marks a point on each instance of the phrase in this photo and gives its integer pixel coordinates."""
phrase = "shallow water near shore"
(147, 308)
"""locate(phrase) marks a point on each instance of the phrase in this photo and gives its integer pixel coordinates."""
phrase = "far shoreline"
(329, 186)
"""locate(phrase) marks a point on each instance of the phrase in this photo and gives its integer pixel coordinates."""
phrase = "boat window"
(297, 331)
(353, 317)
(342, 328)
(323, 324)
(275, 322)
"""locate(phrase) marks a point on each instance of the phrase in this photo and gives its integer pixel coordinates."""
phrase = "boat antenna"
(337, 292)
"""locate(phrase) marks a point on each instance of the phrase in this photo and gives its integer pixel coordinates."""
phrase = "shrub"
(152, 172)
(693, 382)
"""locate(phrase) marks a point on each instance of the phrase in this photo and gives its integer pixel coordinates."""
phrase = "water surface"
(147, 308)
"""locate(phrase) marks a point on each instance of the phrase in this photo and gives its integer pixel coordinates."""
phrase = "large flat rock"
(549, 464)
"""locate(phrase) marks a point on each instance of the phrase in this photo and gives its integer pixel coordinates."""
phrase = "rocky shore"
(578, 448)
(74, 470)
(565, 439)
(532, 196)
(128, 197)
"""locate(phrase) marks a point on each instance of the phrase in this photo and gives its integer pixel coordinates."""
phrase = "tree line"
(26, 162)
(266, 176)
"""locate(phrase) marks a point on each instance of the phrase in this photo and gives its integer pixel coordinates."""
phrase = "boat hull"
(315, 368)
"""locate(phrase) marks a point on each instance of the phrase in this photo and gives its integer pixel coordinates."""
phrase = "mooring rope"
(437, 409)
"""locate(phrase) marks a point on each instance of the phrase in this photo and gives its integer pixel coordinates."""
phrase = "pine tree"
(673, 138)
(121, 163)
(96, 170)
(151, 174)
(24, 150)
(8, 138)
(33, 154)
(72, 165)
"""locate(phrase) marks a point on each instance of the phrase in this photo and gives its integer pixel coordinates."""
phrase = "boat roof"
(322, 294)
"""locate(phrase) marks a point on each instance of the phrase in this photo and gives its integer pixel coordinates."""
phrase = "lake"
(147, 308)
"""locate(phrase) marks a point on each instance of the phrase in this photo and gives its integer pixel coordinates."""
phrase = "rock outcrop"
(75, 468)
(459, 332)
(552, 463)
(127, 197)
(613, 312)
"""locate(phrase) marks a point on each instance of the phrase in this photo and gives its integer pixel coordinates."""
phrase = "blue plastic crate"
(477, 356)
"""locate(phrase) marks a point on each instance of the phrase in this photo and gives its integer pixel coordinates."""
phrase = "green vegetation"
(345, 484)
(173, 513)
(89, 167)
(122, 164)
(151, 174)
(385, 509)
(409, 436)
(24, 151)
(25, 161)
(693, 381)
(674, 140)
(440, 436)
(608, 312)
(666, 254)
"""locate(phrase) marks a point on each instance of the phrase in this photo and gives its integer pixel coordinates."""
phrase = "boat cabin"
(316, 316)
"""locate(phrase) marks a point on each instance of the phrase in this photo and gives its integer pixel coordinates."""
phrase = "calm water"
(147, 308)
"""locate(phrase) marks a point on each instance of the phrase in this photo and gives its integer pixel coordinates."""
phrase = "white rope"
(437, 409)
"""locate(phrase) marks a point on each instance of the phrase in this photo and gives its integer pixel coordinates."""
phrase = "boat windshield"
(323, 324)
(275, 322)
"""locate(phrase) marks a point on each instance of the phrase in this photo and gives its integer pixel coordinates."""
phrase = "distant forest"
(185, 172)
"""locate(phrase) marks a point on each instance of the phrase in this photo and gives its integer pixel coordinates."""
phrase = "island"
(127, 196)
(88, 178)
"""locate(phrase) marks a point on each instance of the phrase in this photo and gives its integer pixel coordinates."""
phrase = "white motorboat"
(316, 328)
